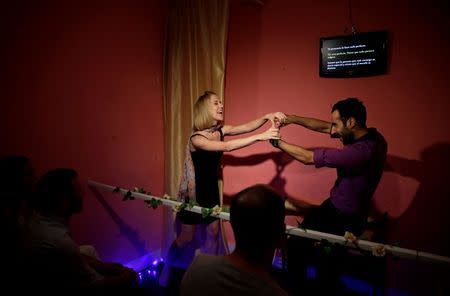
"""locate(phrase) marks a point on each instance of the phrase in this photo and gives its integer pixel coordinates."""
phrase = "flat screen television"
(356, 55)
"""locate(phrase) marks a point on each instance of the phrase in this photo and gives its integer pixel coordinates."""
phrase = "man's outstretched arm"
(314, 124)
(299, 153)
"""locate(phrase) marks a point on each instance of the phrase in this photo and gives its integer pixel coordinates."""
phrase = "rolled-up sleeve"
(319, 157)
(351, 156)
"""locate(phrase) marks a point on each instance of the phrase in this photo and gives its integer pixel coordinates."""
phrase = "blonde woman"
(201, 170)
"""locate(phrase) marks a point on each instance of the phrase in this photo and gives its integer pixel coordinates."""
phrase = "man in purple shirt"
(359, 166)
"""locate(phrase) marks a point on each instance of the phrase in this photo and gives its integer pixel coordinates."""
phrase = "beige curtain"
(194, 61)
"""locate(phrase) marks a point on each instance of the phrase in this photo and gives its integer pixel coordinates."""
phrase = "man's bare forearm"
(299, 153)
(310, 123)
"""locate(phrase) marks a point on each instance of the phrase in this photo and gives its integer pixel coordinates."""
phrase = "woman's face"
(215, 108)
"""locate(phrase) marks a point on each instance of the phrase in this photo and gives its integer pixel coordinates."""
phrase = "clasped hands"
(278, 119)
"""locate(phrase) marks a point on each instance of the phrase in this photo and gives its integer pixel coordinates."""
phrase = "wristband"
(274, 143)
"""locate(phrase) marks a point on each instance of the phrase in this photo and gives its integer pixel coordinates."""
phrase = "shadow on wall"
(281, 160)
(133, 237)
(413, 192)
(425, 222)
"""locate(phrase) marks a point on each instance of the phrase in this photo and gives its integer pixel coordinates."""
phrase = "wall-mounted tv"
(356, 55)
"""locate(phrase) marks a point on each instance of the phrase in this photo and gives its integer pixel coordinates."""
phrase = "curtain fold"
(194, 61)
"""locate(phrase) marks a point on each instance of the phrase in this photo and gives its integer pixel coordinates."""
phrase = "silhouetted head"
(208, 111)
(346, 116)
(257, 218)
(16, 181)
(59, 191)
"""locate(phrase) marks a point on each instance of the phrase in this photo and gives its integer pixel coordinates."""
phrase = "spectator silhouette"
(16, 183)
(257, 220)
(54, 259)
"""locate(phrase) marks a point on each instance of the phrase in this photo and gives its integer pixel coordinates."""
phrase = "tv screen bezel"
(379, 37)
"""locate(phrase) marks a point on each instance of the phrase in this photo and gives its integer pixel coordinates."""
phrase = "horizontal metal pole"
(307, 233)
(165, 201)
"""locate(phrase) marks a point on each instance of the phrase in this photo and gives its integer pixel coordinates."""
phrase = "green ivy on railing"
(156, 202)
(324, 245)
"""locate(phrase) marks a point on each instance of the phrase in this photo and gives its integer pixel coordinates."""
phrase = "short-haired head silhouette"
(59, 190)
(257, 218)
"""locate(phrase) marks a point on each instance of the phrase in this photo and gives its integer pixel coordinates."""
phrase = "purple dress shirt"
(359, 169)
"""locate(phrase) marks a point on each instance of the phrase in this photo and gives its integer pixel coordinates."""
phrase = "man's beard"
(347, 137)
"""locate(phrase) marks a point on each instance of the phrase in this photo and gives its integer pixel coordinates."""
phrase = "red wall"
(272, 65)
(83, 89)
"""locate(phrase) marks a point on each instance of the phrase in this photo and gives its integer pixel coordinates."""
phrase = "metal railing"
(307, 233)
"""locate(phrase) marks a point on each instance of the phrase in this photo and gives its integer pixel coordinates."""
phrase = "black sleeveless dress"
(207, 173)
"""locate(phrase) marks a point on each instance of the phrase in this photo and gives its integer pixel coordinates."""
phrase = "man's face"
(340, 130)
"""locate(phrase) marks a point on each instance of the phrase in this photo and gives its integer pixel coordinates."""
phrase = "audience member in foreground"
(54, 259)
(257, 219)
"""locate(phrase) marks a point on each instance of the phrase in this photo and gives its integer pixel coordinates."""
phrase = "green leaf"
(142, 190)
(363, 237)
(206, 212)
(128, 195)
(192, 203)
(153, 202)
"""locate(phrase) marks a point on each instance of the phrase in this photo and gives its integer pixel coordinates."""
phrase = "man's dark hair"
(52, 186)
(257, 218)
(351, 107)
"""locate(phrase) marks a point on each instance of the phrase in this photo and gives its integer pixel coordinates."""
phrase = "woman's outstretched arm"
(252, 125)
(200, 141)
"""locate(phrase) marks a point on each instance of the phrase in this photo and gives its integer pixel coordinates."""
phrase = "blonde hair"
(202, 118)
